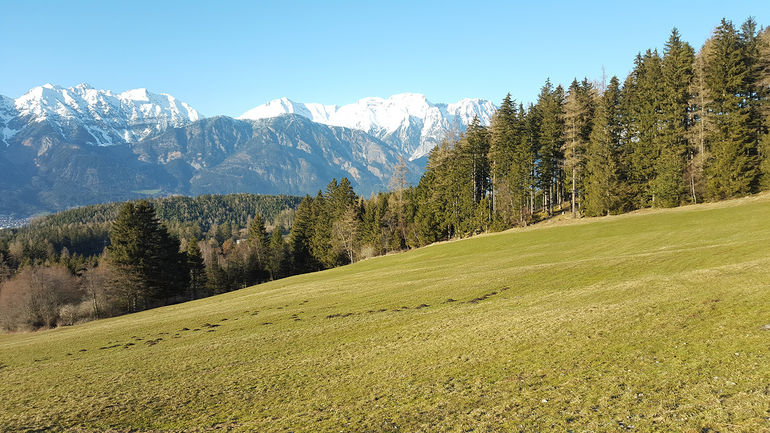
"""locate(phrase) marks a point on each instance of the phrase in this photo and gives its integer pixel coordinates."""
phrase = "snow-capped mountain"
(408, 122)
(93, 116)
(62, 147)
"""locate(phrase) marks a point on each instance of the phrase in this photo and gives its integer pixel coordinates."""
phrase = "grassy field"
(651, 321)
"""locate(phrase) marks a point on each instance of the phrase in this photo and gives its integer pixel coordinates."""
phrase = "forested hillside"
(683, 127)
(85, 230)
(64, 268)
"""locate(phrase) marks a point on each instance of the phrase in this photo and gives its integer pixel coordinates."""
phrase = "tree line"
(683, 127)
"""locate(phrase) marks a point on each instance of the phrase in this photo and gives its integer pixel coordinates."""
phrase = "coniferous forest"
(683, 127)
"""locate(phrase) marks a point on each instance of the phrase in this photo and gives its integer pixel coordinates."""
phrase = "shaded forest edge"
(683, 127)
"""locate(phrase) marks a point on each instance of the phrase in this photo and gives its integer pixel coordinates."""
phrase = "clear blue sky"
(226, 57)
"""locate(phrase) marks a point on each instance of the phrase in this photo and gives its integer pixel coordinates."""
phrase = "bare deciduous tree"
(34, 297)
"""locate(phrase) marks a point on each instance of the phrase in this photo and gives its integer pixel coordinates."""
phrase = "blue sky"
(227, 57)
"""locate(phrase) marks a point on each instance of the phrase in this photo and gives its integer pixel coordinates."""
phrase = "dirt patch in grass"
(486, 296)
(153, 342)
(110, 346)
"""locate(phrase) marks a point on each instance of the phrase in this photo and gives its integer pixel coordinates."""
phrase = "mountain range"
(408, 122)
(62, 147)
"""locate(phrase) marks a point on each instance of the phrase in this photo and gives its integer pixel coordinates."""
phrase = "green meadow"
(650, 321)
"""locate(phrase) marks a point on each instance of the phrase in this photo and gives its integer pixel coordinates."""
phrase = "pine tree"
(198, 280)
(428, 224)
(677, 71)
(300, 238)
(733, 168)
(473, 150)
(323, 213)
(502, 139)
(345, 233)
(216, 277)
(642, 98)
(602, 168)
(701, 124)
(257, 252)
(147, 260)
(762, 67)
(550, 107)
(339, 197)
(277, 263)
(578, 122)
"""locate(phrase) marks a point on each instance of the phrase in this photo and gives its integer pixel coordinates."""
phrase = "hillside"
(651, 321)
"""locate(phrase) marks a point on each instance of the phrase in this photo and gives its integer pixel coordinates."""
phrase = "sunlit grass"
(649, 322)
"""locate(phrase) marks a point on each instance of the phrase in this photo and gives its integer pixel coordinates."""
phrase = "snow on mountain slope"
(108, 118)
(408, 121)
(7, 113)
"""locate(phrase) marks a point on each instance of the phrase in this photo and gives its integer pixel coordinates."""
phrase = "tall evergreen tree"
(502, 138)
(301, 236)
(733, 168)
(473, 151)
(701, 125)
(762, 67)
(578, 122)
(197, 270)
(257, 251)
(642, 97)
(147, 260)
(277, 264)
(550, 107)
(669, 184)
(603, 165)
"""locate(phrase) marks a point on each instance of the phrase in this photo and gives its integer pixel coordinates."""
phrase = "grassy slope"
(651, 320)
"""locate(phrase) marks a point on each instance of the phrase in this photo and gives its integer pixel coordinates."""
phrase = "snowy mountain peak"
(135, 95)
(407, 121)
(108, 118)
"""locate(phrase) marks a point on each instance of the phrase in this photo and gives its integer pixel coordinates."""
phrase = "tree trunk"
(574, 211)
(494, 186)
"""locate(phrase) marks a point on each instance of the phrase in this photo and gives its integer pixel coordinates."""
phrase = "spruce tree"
(502, 139)
(147, 260)
(669, 184)
(733, 167)
(198, 280)
(762, 67)
(642, 97)
(216, 277)
(257, 251)
(700, 122)
(578, 122)
(550, 106)
(300, 238)
(323, 213)
(278, 255)
(603, 165)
